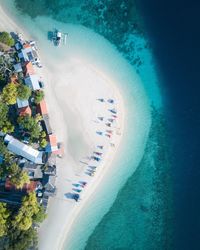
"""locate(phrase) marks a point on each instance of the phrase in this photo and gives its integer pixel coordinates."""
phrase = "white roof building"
(19, 148)
(22, 103)
(33, 82)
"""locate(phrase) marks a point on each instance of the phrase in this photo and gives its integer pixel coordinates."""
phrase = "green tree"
(5, 124)
(29, 208)
(40, 216)
(20, 179)
(23, 92)
(43, 134)
(39, 96)
(9, 94)
(3, 148)
(43, 143)
(21, 240)
(6, 39)
(30, 124)
(8, 127)
(3, 113)
(4, 215)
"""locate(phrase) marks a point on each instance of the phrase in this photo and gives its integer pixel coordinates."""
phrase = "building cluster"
(40, 164)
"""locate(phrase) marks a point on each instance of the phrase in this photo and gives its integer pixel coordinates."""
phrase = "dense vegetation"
(39, 96)
(6, 38)
(16, 229)
(23, 92)
(19, 221)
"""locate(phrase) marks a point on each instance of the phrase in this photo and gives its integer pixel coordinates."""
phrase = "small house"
(49, 185)
(33, 170)
(32, 81)
(22, 103)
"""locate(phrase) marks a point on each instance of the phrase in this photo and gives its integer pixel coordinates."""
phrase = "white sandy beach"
(72, 90)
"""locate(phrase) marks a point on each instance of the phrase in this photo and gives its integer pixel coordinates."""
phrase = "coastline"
(56, 113)
(8, 24)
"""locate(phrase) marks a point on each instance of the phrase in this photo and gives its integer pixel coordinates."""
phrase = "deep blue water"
(174, 31)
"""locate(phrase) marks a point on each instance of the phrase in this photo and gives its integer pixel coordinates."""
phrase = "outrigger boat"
(59, 38)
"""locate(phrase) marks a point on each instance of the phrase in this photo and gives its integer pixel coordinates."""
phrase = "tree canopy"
(23, 92)
(6, 38)
(17, 176)
(5, 124)
(3, 113)
(4, 214)
(9, 94)
(39, 96)
(30, 124)
(3, 148)
(29, 210)
(20, 179)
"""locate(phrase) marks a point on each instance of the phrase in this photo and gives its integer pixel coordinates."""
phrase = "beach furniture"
(99, 132)
(109, 131)
(96, 158)
(84, 183)
(76, 197)
(114, 116)
(113, 111)
(101, 99)
(110, 100)
(100, 118)
(98, 153)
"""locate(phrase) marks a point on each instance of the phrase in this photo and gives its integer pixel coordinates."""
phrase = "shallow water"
(117, 230)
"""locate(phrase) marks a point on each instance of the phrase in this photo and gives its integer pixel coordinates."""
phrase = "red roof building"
(53, 146)
(29, 70)
(42, 108)
(25, 111)
(26, 188)
(26, 45)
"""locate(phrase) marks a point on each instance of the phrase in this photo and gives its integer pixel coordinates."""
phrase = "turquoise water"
(140, 215)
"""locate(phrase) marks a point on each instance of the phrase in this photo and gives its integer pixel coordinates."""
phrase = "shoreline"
(8, 24)
(69, 102)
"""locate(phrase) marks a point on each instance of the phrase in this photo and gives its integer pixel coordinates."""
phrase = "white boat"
(58, 38)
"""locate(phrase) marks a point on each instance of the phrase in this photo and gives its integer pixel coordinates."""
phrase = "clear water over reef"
(141, 215)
